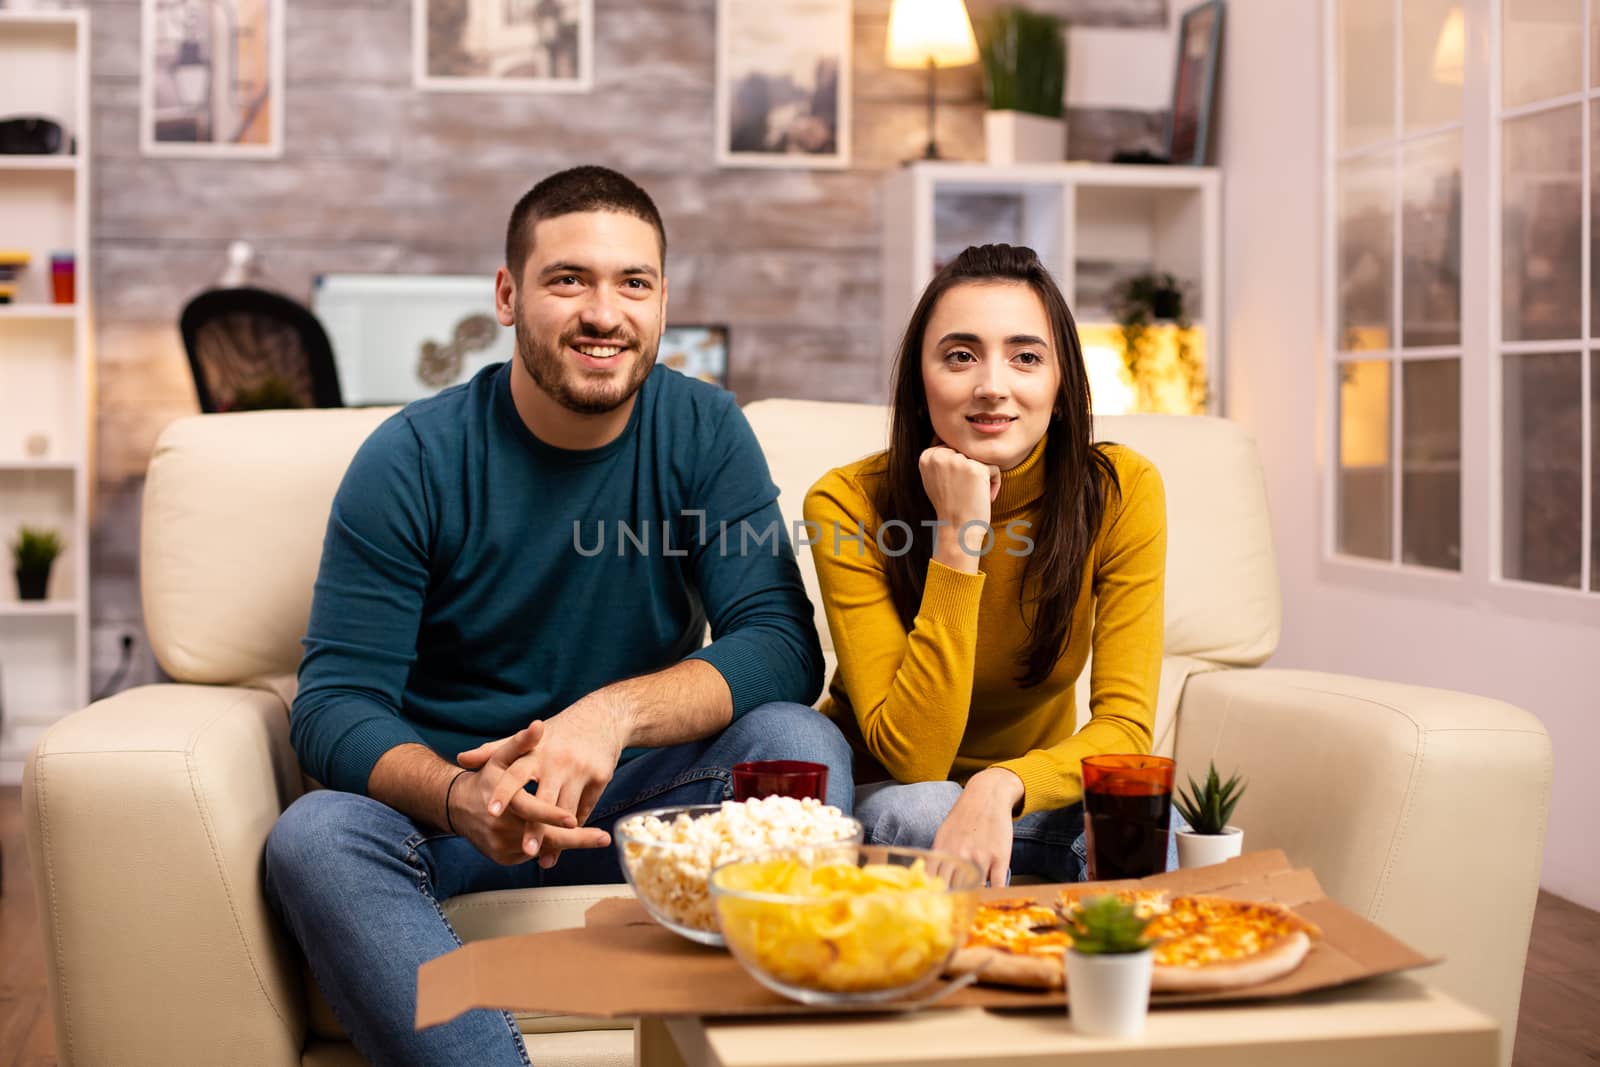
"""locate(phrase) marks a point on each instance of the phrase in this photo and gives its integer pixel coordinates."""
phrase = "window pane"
(1430, 236)
(1366, 252)
(1365, 469)
(1542, 258)
(1543, 50)
(1430, 480)
(1594, 472)
(1435, 58)
(1366, 72)
(1541, 502)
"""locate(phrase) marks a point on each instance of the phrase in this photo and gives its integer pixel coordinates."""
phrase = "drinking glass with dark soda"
(1127, 808)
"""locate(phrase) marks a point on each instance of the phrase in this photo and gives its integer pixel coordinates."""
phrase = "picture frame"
(783, 83)
(699, 350)
(211, 78)
(1188, 133)
(502, 46)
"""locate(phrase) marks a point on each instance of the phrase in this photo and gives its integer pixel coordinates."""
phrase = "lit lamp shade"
(930, 31)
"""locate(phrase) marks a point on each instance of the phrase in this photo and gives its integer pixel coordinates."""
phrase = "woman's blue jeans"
(359, 884)
(1047, 844)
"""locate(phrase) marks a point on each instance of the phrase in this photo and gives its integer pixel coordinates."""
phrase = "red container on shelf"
(63, 277)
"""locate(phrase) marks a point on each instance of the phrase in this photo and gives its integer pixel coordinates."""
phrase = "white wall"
(1271, 130)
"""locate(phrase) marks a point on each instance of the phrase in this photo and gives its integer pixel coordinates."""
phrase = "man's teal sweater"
(474, 578)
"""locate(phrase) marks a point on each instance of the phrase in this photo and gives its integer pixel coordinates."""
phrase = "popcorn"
(669, 860)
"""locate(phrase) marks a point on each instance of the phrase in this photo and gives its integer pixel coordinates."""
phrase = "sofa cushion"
(239, 502)
(1222, 576)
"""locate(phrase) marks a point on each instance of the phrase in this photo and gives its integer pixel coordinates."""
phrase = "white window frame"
(1480, 582)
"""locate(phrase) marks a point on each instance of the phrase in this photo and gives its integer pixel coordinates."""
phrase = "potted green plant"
(1209, 839)
(268, 393)
(32, 554)
(1152, 308)
(1108, 967)
(1024, 57)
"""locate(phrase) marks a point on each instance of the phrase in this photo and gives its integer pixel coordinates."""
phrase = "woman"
(968, 572)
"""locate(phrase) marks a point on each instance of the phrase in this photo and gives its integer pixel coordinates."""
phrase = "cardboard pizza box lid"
(622, 963)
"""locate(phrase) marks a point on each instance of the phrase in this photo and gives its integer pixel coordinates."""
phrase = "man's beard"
(553, 372)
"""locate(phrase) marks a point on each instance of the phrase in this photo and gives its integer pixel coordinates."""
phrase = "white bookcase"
(1089, 222)
(46, 380)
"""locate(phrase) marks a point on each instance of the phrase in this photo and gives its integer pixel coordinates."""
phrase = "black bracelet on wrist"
(447, 790)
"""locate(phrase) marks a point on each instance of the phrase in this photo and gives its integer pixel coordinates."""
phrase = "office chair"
(251, 349)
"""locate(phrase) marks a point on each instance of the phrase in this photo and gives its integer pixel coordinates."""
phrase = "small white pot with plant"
(1207, 808)
(1024, 55)
(1108, 968)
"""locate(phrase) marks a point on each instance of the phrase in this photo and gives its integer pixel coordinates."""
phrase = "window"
(1418, 118)
(1396, 171)
(1546, 116)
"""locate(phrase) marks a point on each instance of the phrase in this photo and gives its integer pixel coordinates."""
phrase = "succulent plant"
(1209, 807)
(1106, 926)
(35, 550)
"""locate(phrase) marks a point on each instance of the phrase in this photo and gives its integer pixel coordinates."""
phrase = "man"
(462, 612)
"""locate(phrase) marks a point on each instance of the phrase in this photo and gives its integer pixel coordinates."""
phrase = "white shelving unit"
(46, 381)
(1086, 221)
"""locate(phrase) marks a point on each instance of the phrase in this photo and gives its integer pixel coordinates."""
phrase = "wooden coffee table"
(1393, 1020)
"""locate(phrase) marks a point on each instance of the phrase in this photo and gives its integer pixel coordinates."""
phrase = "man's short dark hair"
(587, 188)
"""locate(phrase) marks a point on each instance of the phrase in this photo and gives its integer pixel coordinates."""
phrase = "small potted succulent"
(32, 554)
(1208, 808)
(1108, 967)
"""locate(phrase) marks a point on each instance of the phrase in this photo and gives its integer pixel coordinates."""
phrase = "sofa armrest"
(146, 815)
(1422, 809)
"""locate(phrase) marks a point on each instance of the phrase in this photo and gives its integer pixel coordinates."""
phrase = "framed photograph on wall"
(783, 83)
(1195, 83)
(506, 46)
(698, 351)
(211, 78)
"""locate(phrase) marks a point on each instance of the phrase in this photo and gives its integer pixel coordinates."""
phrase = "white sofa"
(146, 813)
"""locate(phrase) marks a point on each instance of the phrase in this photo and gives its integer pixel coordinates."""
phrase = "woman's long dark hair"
(1076, 471)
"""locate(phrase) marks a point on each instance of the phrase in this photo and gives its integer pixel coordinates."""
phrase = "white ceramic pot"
(1018, 137)
(1202, 850)
(1108, 994)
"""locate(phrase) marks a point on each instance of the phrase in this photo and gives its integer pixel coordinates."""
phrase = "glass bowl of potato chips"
(668, 854)
(849, 925)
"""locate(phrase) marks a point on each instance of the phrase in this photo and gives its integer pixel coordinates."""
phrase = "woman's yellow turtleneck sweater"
(942, 702)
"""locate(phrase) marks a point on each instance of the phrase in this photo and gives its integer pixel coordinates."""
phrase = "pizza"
(1203, 944)
(1014, 942)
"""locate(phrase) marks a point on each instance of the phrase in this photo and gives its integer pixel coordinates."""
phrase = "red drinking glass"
(1127, 809)
(780, 778)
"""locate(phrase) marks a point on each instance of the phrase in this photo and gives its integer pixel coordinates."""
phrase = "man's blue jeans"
(359, 884)
(1047, 844)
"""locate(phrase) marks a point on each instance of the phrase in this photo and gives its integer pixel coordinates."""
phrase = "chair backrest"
(251, 349)
(235, 507)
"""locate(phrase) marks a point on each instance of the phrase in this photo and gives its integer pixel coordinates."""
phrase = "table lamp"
(931, 34)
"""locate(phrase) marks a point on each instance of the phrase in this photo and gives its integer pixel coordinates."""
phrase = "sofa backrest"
(1222, 576)
(235, 507)
(234, 511)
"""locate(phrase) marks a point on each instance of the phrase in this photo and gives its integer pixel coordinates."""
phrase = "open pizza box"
(622, 963)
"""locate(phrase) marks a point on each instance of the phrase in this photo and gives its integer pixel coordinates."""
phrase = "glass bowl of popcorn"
(855, 925)
(668, 854)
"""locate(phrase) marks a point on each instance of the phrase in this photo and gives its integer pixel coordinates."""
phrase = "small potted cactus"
(32, 554)
(1108, 967)
(1207, 808)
